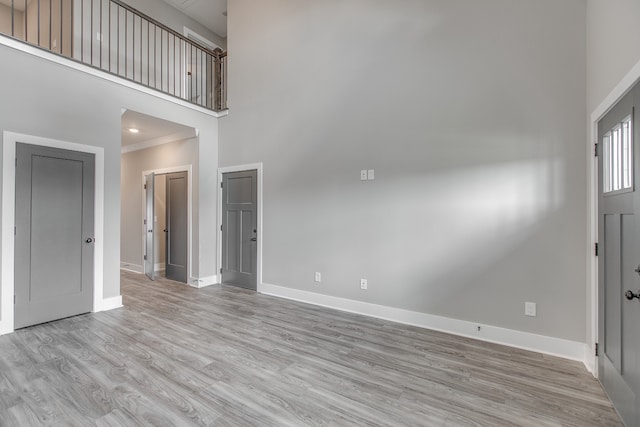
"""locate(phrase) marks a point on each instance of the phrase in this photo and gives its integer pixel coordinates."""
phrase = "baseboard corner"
(5, 329)
(203, 282)
(107, 304)
(590, 360)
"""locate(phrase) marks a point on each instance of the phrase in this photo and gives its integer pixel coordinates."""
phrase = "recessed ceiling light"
(134, 130)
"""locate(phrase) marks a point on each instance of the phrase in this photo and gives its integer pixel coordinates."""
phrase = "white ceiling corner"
(208, 13)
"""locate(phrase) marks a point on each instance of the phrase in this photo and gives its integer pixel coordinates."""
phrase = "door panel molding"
(149, 226)
(10, 139)
(592, 321)
(191, 280)
(618, 232)
(176, 234)
(241, 168)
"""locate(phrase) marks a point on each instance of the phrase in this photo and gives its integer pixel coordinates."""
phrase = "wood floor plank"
(224, 356)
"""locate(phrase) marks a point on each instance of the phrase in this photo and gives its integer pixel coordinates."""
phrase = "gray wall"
(73, 106)
(5, 21)
(613, 48)
(471, 114)
(178, 153)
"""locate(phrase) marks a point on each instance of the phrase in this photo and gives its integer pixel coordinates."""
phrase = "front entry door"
(54, 234)
(149, 223)
(619, 259)
(239, 229)
(177, 227)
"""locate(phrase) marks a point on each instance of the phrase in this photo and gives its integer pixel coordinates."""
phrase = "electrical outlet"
(364, 284)
(530, 309)
(318, 277)
(363, 175)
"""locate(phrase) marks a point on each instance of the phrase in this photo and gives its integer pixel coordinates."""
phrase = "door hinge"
(15, 230)
(145, 221)
(145, 186)
(220, 228)
(597, 350)
(145, 257)
(221, 270)
(16, 161)
(595, 151)
(14, 300)
(221, 185)
(597, 251)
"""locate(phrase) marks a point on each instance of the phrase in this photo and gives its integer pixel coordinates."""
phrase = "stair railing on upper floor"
(116, 38)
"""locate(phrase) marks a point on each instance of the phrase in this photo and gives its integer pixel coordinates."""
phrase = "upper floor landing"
(117, 39)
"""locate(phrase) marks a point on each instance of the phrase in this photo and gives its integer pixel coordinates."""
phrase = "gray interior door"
(619, 258)
(239, 229)
(149, 253)
(54, 234)
(177, 226)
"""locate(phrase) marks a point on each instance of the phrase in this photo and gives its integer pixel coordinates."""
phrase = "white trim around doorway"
(621, 89)
(193, 281)
(9, 141)
(240, 168)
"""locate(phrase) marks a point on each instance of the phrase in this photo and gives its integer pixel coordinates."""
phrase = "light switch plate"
(363, 175)
(371, 175)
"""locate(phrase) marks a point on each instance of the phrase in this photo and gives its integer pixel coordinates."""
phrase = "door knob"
(630, 295)
(89, 240)
(254, 239)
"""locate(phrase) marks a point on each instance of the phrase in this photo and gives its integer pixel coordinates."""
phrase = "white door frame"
(242, 168)
(9, 141)
(164, 171)
(609, 102)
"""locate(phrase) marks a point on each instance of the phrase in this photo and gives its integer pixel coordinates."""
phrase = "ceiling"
(210, 13)
(151, 129)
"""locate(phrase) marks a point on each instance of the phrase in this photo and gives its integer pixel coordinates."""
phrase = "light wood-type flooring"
(222, 356)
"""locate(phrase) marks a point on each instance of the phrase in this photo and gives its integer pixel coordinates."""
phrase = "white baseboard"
(203, 281)
(107, 304)
(101, 305)
(539, 343)
(590, 360)
(131, 267)
(159, 266)
(5, 328)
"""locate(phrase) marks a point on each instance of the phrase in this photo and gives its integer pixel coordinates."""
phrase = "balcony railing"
(115, 38)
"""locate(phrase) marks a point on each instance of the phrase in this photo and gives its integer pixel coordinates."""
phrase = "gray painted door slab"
(54, 235)
(177, 226)
(239, 229)
(619, 234)
(149, 223)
